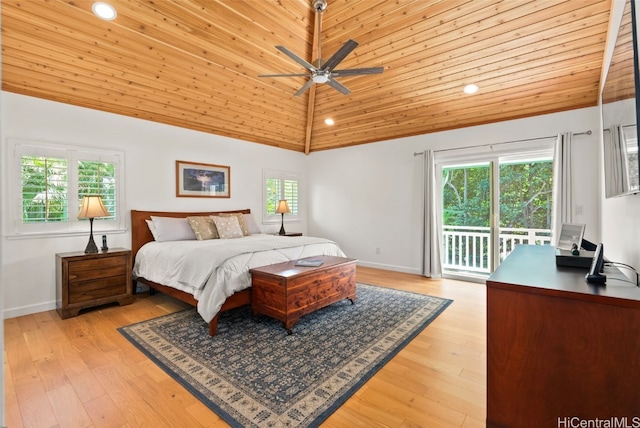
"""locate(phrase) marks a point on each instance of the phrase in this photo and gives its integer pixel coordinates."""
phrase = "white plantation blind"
(280, 185)
(44, 188)
(50, 180)
(98, 178)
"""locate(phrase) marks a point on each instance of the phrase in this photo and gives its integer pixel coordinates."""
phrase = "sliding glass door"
(490, 204)
(466, 217)
(525, 203)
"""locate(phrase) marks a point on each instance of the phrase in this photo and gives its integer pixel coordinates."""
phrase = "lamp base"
(282, 232)
(91, 247)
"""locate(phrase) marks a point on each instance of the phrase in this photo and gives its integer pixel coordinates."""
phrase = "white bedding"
(214, 269)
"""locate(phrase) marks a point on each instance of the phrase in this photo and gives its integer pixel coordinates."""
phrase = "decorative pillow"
(252, 226)
(172, 229)
(152, 229)
(203, 227)
(241, 222)
(228, 226)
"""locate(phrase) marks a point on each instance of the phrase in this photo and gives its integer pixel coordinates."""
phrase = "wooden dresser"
(560, 350)
(86, 280)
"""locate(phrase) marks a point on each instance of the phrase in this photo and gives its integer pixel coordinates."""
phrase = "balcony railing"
(468, 248)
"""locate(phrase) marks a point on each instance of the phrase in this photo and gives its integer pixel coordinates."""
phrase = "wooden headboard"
(140, 233)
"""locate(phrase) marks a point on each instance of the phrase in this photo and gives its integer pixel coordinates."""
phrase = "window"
(280, 185)
(50, 182)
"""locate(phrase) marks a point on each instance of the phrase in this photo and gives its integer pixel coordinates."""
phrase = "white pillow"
(251, 224)
(228, 227)
(152, 229)
(172, 229)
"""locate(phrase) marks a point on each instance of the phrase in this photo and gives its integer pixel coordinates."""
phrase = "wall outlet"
(377, 250)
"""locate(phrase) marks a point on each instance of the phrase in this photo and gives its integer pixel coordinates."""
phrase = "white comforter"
(214, 269)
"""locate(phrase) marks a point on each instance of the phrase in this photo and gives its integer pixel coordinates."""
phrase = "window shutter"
(49, 180)
(98, 178)
(280, 185)
(44, 189)
(290, 191)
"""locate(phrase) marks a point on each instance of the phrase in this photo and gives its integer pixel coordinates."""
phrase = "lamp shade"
(283, 207)
(92, 207)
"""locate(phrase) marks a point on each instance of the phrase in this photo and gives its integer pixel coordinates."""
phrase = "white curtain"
(432, 264)
(615, 153)
(562, 184)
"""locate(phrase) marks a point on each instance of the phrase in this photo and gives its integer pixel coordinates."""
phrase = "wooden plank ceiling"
(195, 63)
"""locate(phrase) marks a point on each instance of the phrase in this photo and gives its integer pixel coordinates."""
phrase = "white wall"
(364, 197)
(151, 149)
(369, 196)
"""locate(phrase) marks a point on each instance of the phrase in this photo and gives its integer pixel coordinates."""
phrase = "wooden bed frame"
(140, 235)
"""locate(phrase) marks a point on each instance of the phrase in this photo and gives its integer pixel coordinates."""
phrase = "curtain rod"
(623, 126)
(588, 132)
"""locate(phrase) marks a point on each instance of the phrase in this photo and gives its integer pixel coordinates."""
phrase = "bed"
(210, 280)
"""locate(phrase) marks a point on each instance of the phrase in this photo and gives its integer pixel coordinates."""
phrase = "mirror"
(620, 111)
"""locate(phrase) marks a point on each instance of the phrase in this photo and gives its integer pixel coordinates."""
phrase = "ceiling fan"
(324, 71)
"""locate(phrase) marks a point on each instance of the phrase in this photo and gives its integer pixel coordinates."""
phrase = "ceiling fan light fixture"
(320, 78)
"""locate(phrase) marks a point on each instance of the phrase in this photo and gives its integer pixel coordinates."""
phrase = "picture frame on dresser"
(202, 180)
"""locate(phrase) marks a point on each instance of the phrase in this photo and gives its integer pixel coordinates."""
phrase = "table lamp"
(92, 207)
(283, 208)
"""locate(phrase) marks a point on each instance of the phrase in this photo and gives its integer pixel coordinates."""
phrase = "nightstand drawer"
(82, 270)
(83, 291)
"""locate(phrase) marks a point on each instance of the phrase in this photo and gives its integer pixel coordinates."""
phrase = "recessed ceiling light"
(104, 11)
(470, 89)
(329, 121)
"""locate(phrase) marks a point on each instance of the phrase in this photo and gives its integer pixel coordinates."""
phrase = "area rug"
(253, 374)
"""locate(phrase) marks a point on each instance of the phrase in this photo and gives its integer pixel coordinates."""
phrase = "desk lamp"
(283, 208)
(92, 207)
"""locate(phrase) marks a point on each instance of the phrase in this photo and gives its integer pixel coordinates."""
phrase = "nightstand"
(292, 234)
(86, 280)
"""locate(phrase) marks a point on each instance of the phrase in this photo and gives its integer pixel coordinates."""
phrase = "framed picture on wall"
(201, 180)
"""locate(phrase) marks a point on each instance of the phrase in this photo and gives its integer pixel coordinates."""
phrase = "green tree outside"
(525, 195)
(45, 191)
(526, 190)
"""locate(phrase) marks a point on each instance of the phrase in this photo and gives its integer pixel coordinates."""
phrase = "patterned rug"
(252, 374)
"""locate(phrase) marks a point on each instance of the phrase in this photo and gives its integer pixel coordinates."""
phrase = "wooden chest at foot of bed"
(286, 292)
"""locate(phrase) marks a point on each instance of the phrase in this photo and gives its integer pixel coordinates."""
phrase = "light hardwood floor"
(81, 372)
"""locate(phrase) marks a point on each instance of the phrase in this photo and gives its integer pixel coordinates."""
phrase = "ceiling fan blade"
(337, 57)
(296, 58)
(284, 75)
(304, 88)
(357, 71)
(338, 86)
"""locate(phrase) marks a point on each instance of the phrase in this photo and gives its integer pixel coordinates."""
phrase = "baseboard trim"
(394, 268)
(28, 310)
